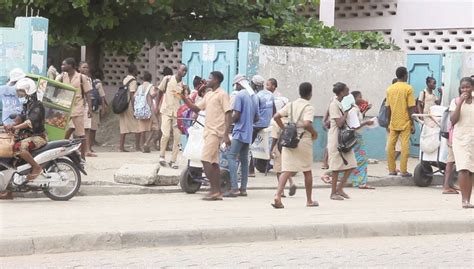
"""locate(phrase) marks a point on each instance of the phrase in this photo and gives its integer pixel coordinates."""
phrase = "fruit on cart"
(58, 120)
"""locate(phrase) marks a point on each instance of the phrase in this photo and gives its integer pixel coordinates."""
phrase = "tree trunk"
(93, 57)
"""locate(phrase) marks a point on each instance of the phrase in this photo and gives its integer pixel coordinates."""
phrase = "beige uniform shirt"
(171, 101)
(76, 81)
(293, 110)
(216, 104)
(133, 85)
(429, 100)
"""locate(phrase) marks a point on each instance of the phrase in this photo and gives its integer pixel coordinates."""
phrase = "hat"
(16, 74)
(258, 80)
(26, 84)
(238, 78)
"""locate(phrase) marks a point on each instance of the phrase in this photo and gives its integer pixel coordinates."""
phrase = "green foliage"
(123, 25)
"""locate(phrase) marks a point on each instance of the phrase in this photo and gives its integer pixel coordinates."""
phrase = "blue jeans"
(242, 150)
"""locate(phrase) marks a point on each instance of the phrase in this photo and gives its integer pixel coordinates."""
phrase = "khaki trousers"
(168, 124)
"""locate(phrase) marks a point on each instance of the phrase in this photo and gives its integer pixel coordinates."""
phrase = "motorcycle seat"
(50, 145)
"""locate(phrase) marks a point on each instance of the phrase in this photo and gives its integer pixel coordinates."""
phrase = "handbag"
(289, 136)
(346, 140)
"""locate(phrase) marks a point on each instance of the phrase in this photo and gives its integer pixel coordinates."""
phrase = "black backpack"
(346, 140)
(289, 136)
(383, 115)
(122, 98)
(95, 96)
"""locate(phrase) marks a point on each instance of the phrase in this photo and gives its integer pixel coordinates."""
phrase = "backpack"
(95, 96)
(289, 136)
(186, 116)
(421, 103)
(121, 98)
(383, 115)
(346, 140)
(445, 124)
(141, 108)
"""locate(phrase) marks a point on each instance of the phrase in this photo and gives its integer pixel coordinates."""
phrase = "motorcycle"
(61, 176)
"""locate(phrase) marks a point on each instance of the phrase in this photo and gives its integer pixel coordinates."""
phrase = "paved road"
(456, 250)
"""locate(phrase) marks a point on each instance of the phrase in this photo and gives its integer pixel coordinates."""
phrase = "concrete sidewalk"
(100, 178)
(114, 222)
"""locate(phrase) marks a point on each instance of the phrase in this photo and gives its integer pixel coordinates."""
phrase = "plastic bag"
(193, 149)
(429, 139)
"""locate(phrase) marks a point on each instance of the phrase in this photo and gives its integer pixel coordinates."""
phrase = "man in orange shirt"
(401, 105)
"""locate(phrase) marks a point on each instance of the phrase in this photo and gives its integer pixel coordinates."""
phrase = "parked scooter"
(60, 179)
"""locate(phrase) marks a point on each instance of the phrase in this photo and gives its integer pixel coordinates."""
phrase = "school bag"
(95, 96)
(186, 116)
(141, 108)
(445, 124)
(346, 140)
(121, 98)
(289, 136)
(383, 115)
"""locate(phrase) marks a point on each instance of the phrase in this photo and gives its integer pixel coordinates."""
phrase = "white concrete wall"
(365, 70)
(413, 16)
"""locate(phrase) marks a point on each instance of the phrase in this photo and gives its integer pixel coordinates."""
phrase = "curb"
(135, 239)
(100, 188)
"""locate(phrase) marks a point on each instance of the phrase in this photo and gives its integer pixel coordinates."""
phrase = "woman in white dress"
(462, 118)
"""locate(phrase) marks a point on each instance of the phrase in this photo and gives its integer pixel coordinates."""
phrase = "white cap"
(26, 84)
(258, 80)
(16, 74)
(238, 78)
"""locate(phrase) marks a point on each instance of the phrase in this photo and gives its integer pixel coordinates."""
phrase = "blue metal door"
(203, 57)
(420, 66)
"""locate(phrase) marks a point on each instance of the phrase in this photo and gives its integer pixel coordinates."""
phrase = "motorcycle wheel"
(67, 169)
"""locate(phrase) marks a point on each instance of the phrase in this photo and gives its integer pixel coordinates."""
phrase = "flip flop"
(406, 175)
(278, 205)
(336, 197)
(293, 190)
(314, 204)
(451, 192)
(91, 154)
(324, 167)
(212, 198)
(467, 205)
(366, 187)
(326, 179)
(344, 195)
(393, 174)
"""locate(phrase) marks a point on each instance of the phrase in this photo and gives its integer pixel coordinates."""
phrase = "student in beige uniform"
(299, 159)
(128, 123)
(462, 118)
(169, 89)
(84, 70)
(145, 125)
(336, 159)
(217, 127)
(428, 98)
(103, 107)
(82, 84)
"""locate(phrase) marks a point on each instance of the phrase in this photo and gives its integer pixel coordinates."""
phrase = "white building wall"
(414, 25)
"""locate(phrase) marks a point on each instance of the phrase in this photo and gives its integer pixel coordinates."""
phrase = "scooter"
(60, 179)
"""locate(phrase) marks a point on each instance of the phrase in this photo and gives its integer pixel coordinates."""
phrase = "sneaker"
(162, 161)
(173, 165)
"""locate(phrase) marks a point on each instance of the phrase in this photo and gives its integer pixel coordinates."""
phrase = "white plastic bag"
(429, 139)
(193, 149)
(261, 146)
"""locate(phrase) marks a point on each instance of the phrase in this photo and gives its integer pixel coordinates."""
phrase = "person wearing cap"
(243, 116)
(10, 103)
(266, 109)
(34, 118)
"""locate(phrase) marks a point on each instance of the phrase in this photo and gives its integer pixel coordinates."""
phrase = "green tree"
(124, 25)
